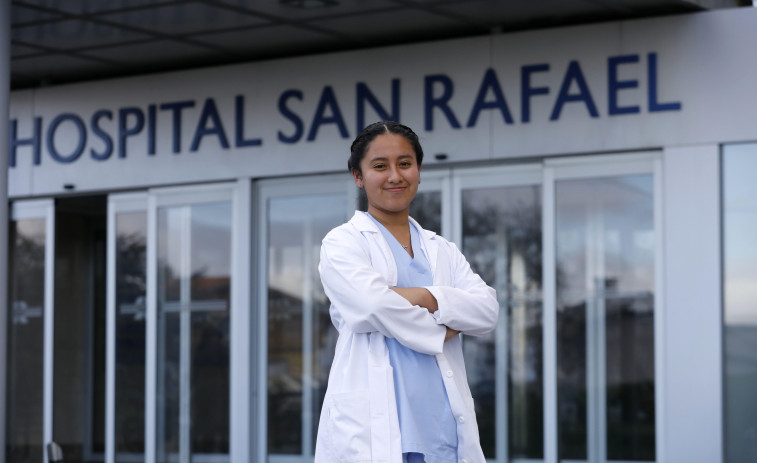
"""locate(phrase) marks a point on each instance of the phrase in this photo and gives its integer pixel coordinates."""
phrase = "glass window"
(301, 337)
(24, 414)
(426, 209)
(605, 318)
(194, 276)
(502, 241)
(131, 284)
(740, 301)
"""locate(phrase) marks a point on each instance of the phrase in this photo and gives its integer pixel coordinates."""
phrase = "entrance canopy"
(54, 41)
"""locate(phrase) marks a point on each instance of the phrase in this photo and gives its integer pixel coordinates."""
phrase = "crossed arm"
(423, 297)
(419, 318)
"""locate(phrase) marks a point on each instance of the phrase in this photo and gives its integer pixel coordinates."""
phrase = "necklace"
(404, 246)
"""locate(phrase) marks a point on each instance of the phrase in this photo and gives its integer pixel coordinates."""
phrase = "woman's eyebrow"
(385, 159)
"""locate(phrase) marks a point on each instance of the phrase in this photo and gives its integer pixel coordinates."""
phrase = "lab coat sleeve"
(362, 297)
(468, 304)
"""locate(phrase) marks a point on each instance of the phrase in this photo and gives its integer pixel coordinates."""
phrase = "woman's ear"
(358, 178)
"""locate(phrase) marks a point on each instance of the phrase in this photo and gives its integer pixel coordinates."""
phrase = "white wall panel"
(693, 366)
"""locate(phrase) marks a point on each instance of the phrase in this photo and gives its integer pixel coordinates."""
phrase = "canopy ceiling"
(57, 41)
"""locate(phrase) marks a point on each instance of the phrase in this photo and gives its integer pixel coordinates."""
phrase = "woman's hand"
(450, 334)
(422, 297)
(418, 296)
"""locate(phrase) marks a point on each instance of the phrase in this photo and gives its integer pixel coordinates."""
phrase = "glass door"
(171, 299)
(500, 232)
(126, 327)
(604, 273)
(193, 238)
(30, 329)
(430, 208)
(572, 246)
(297, 338)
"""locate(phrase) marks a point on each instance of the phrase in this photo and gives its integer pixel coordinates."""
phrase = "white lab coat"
(359, 417)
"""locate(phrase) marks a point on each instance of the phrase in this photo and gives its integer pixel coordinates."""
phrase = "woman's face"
(390, 174)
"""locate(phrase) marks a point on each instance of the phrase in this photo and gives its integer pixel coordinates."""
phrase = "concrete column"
(5, 40)
(692, 350)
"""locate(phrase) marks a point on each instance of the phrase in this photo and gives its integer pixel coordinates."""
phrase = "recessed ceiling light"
(308, 4)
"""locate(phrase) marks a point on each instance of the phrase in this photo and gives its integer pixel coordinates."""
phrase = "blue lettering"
(441, 102)
(239, 140)
(151, 121)
(123, 129)
(50, 138)
(33, 141)
(286, 112)
(574, 74)
(209, 113)
(327, 101)
(654, 105)
(614, 85)
(176, 108)
(364, 94)
(490, 81)
(99, 132)
(527, 91)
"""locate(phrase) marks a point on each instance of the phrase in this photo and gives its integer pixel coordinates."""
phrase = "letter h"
(34, 141)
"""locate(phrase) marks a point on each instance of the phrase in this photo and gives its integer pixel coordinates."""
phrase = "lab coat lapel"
(429, 244)
(368, 228)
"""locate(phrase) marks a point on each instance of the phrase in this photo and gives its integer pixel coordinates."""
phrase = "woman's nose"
(394, 175)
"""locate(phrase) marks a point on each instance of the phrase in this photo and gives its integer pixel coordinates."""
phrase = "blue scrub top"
(427, 425)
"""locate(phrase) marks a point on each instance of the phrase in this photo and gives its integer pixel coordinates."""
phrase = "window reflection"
(301, 337)
(24, 412)
(426, 209)
(131, 283)
(740, 308)
(605, 318)
(194, 275)
(502, 241)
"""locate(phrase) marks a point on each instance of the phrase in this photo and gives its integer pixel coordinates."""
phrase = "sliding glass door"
(572, 248)
(171, 257)
(499, 225)
(127, 309)
(30, 287)
(571, 373)
(605, 273)
(297, 338)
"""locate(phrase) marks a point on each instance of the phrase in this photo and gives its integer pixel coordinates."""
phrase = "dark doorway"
(79, 328)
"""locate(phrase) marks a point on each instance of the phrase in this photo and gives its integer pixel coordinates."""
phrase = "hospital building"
(174, 165)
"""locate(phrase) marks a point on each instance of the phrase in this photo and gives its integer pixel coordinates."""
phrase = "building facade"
(165, 304)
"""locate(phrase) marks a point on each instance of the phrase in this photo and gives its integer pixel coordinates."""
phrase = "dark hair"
(367, 135)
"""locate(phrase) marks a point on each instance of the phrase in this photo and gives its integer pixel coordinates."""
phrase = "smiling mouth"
(396, 189)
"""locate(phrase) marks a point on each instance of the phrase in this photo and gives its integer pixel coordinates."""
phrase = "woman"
(400, 295)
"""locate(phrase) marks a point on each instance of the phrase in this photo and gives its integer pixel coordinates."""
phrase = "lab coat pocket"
(350, 426)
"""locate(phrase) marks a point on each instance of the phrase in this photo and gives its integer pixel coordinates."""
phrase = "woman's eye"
(405, 164)
(378, 166)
